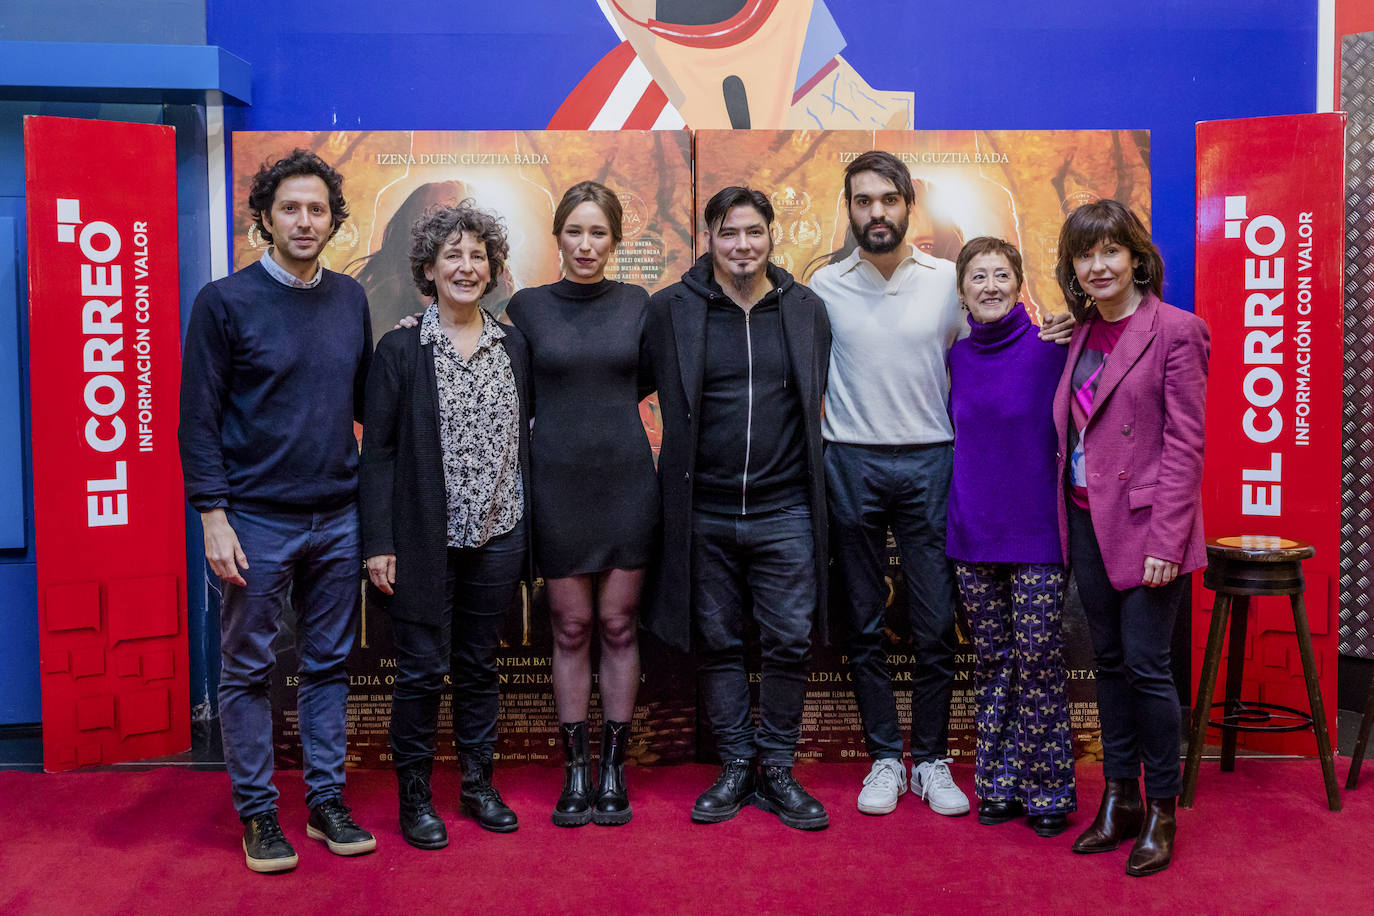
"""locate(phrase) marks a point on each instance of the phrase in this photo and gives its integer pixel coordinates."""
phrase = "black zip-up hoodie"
(751, 455)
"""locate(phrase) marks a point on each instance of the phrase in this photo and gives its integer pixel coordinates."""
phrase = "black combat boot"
(613, 798)
(480, 798)
(420, 823)
(733, 789)
(574, 807)
(779, 793)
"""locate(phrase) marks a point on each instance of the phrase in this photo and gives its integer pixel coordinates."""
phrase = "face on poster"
(1014, 185)
(391, 178)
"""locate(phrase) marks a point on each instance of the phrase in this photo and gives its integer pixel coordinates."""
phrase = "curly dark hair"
(300, 162)
(1105, 220)
(439, 224)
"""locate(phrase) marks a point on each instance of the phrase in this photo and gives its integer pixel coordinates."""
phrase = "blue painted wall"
(436, 64)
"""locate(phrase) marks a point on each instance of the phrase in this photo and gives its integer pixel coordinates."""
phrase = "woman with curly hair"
(444, 501)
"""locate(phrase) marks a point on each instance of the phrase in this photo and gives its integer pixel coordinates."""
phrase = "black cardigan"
(402, 500)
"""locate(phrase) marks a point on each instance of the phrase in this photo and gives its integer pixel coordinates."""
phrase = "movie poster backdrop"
(1015, 184)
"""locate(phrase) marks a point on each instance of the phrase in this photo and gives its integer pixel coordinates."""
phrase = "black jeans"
(905, 488)
(766, 561)
(480, 584)
(1132, 631)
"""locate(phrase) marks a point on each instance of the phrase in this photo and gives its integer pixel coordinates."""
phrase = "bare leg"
(570, 606)
(618, 622)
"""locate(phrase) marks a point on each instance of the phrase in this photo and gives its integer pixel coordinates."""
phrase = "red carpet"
(167, 841)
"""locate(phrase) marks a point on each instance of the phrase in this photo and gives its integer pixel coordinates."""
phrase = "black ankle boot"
(779, 793)
(574, 807)
(420, 823)
(613, 798)
(733, 789)
(481, 800)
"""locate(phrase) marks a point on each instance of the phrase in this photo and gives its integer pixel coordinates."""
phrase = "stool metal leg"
(1362, 739)
(1207, 683)
(1314, 697)
(1235, 675)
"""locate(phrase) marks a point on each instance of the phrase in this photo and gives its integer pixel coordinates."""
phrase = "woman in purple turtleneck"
(1003, 535)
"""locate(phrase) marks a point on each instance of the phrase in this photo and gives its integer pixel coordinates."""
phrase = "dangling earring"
(1075, 288)
(1138, 279)
(962, 304)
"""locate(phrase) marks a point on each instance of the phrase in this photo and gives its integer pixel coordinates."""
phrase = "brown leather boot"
(1155, 847)
(1117, 819)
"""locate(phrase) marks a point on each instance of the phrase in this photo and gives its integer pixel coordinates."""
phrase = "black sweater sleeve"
(206, 365)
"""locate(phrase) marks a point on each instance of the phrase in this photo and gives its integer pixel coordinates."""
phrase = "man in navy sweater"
(275, 362)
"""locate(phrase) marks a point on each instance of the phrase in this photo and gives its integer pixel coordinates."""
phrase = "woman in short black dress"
(593, 488)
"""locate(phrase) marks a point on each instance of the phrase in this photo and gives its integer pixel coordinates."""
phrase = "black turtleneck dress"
(593, 487)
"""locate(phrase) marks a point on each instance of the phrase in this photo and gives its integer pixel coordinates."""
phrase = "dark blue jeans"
(905, 488)
(1132, 632)
(314, 560)
(766, 562)
(479, 586)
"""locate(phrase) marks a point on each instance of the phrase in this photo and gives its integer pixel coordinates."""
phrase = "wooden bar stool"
(1238, 567)
(1362, 739)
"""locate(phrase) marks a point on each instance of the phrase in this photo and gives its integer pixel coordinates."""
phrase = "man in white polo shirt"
(894, 313)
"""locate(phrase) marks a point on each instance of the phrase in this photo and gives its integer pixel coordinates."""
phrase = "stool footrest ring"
(1255, 716)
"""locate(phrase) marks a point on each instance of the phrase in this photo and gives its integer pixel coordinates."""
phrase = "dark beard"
(743, 282)
(896, 233)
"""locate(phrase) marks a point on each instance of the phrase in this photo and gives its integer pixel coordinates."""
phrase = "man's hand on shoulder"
(1058, 328)
(408, 321)
(222, 547)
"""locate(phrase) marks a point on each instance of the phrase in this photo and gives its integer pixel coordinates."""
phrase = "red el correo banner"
(104, 366)
(1270, 243)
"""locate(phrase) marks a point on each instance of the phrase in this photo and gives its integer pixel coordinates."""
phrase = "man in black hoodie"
(739, 353)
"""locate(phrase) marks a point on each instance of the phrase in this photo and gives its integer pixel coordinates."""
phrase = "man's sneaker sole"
(878, 809)
(720, 816)
(819, 822)
(947, 812)
(268, 866)
(341, 849)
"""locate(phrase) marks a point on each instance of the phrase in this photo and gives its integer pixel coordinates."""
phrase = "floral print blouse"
(479, 432)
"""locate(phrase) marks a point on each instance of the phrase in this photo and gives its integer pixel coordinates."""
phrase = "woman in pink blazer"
(1129, 411)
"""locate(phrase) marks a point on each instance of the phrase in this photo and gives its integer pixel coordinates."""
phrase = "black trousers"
(1132, 632)
(479, 586)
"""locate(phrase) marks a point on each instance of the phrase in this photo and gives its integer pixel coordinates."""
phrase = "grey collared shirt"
(479, 433)
(286, 277)
(888, 383)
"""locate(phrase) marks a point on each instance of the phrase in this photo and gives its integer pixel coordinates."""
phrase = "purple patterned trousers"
(1025, 749)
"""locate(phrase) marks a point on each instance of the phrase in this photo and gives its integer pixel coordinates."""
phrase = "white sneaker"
(931, 781)
(883, 785)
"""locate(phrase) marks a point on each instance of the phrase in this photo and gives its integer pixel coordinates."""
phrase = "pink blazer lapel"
(1135, 340)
